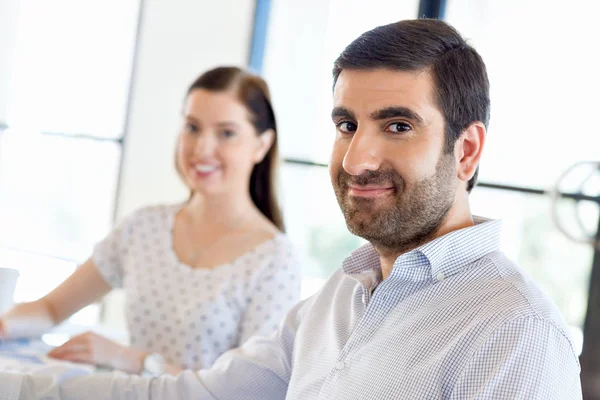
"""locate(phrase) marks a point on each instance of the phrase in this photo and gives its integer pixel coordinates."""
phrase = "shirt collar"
(444, 256)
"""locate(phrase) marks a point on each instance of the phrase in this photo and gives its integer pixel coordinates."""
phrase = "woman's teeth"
(205, 168)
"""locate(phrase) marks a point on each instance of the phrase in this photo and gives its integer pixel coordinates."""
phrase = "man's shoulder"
(509, 293)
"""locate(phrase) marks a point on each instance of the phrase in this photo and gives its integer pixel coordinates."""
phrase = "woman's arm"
(82, 288)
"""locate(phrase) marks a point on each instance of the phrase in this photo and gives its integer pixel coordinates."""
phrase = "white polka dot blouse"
(191, 316)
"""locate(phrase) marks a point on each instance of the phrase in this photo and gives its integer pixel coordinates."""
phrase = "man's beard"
(411, 218)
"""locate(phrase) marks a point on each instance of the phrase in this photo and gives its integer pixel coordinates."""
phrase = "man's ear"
(468, 149)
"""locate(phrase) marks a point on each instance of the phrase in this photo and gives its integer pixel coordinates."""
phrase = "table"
(29, 356)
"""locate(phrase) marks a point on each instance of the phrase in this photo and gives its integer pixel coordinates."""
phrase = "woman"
(200, 277)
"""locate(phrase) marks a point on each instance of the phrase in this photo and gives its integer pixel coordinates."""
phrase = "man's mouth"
(370, 191)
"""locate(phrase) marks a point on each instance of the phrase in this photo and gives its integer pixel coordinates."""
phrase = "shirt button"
(340, 365)
(440, 276)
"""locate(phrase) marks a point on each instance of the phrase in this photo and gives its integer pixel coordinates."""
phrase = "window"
(56, 193)
(71, 66)
(543, 62)
(66, 106)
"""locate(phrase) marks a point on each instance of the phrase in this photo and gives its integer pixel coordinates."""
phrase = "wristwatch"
(154, 365)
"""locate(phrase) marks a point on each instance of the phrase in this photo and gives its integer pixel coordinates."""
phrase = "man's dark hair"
(458, 72)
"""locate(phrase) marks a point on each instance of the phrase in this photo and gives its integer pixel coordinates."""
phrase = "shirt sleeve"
(10, 386)
(275, 290)
(258, 370)
(527, 358)
(108, 255)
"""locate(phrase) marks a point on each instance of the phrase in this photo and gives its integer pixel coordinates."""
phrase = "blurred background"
(90, 97)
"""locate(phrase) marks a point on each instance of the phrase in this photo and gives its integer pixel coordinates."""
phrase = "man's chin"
(369, 207)
(361, 224)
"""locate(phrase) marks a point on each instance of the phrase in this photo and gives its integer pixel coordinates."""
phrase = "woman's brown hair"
(253, 92)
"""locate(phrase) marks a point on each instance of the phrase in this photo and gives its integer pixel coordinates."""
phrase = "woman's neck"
(225, 211)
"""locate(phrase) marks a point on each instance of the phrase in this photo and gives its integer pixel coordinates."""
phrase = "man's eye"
(399, 127)
(346, 127)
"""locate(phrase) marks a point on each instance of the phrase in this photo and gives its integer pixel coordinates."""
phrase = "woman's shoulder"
(283, 242)
(147, 218)
(152, 212)
(278, 248)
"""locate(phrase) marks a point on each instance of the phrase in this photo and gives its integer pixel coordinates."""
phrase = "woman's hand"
(90, 348)
(2, 329)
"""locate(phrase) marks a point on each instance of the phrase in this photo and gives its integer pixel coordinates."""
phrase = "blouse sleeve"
(275, 290)
(109, 254)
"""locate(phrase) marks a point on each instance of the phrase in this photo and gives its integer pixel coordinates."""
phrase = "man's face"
(391, 177)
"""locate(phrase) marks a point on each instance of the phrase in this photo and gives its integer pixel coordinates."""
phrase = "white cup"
(8, 282)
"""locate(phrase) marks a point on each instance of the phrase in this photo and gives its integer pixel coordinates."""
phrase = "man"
(430, 308)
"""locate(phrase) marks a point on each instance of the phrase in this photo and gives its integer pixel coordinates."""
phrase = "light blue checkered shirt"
(454, 320)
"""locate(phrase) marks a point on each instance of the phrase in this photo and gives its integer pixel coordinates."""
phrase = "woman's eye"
(191, 127)
(399, 127)
(227, 133)
(347, 127)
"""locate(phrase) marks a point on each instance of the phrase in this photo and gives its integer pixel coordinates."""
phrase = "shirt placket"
(378, 304)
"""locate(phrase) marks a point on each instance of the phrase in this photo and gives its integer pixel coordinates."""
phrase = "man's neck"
(455, 220)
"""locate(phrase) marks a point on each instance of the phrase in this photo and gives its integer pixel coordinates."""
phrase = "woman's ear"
(265, 142)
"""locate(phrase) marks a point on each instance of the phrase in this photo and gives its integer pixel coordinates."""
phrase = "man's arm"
(527, 358)
(258, 370)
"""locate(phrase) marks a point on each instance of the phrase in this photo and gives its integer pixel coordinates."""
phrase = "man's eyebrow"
(395, 112)
(342, 112)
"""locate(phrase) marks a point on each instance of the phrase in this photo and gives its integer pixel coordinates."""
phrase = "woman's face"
(218, 146)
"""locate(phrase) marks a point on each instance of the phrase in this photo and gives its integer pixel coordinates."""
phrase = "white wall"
(179, 39)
